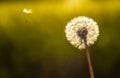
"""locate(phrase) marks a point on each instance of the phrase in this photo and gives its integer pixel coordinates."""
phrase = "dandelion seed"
(27, 11)
(76, 25)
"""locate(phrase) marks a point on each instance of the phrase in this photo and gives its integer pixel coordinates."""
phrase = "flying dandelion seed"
(78, 24)
(27, 11)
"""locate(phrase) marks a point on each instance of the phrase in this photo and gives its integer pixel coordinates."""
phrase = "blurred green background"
(34, 45)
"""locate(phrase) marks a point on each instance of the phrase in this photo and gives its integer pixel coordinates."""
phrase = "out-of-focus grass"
(34, 45)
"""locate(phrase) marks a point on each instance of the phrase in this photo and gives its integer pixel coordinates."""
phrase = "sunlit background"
(33, 43)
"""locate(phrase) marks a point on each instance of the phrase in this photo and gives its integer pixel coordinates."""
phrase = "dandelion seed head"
(78, 23)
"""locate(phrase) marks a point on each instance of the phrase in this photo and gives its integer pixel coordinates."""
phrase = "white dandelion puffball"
(78, 23)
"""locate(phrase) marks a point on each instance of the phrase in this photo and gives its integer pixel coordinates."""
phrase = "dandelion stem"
(89, 60)
(82, 33)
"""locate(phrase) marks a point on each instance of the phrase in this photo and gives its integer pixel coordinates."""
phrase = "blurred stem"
(82, 33)
(89, 60)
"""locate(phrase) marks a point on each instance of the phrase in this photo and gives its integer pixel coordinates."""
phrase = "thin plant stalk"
(89, 60)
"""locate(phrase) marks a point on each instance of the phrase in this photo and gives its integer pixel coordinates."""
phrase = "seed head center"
(82, 33)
